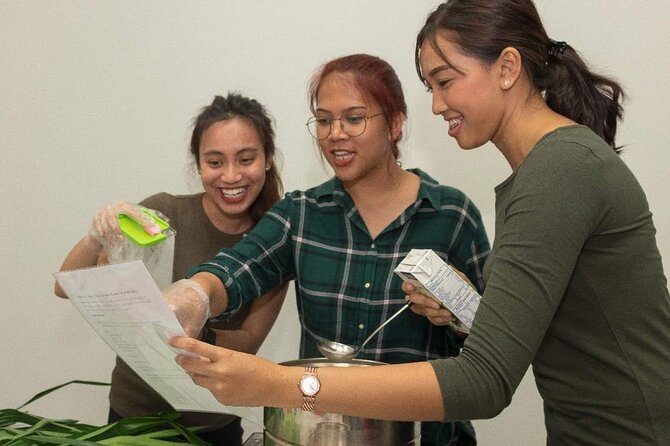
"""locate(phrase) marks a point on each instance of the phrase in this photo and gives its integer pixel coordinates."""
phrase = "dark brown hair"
(373, 77)
(483, 28)
(237, 106)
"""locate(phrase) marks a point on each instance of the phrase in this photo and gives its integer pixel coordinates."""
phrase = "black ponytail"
(573, 90)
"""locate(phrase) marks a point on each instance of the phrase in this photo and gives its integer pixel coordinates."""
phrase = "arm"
(256, 265)
(255, 326)
(87, 252)
(543, 219)
(214, 288)
(384, 392)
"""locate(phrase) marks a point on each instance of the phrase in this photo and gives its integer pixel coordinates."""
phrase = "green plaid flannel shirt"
(344, 280)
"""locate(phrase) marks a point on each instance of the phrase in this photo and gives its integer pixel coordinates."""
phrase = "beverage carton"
(433, 277)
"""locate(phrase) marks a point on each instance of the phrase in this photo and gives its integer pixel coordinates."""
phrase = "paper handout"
(125, 307)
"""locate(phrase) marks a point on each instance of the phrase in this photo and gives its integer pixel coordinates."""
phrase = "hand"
(234, 378)
(427, 306)
(105, 229)
(190, 304)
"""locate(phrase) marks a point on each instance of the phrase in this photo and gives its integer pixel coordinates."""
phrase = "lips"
(233, 195)
(341, 158)
(454, 125)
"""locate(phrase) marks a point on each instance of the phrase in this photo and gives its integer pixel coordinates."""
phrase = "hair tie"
(556, 48)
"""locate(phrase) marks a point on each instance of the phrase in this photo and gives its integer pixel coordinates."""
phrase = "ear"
(396, 126)
(509, 67)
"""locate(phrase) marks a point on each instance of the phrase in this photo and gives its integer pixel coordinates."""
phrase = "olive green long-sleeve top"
(575, 287)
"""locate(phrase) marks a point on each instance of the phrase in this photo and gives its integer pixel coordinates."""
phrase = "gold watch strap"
(308, 402)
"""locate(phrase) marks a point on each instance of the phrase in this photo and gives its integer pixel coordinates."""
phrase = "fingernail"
(153, 229)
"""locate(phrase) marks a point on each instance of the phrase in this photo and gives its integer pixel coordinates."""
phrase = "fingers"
(106, 224)
(421, 300)
(442, 319)
(431, 309)
(198, 348)
(197, 356)
(408, 287)
(138, 214)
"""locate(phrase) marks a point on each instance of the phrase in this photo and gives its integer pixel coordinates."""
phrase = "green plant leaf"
(48, 391)
(18, 428)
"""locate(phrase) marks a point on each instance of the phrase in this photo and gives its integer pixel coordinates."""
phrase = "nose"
(230, 173)
(439, 105)
(336, 130)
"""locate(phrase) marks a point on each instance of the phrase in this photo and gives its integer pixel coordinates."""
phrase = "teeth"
(233, 192)
(341, 154)
(454, 122)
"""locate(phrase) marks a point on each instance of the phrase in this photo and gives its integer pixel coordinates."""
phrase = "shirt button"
(372, 246)
(361, 326)
(367, 285)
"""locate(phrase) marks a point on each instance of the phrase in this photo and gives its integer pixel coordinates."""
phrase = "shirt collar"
(428, 190)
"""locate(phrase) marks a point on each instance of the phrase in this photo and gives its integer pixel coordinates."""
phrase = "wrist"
(309, 386)
(202, 294)
(214, 288)
(92, 244)
(291, 396)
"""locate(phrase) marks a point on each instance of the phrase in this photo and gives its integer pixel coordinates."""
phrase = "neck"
(384, 181)
(230, 224)
(527, 120)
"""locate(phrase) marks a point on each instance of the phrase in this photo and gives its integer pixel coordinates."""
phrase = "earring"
(506, 83)
(267, 168)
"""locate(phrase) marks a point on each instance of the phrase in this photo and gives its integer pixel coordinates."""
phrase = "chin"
(470, 145)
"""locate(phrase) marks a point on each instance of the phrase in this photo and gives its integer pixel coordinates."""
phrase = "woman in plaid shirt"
(341, 240)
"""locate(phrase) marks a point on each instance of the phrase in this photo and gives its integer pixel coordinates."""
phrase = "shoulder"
(572, 160)
(569, 150)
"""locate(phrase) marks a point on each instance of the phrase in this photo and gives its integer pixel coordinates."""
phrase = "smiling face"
(466, 93)
(353, 158)
(232, 168)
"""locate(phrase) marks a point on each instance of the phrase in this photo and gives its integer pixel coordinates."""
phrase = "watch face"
(309, 385)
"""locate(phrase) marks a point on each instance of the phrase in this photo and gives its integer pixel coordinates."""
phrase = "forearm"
(402, 392)
(87, 252)
(399, 392)
(213, 287)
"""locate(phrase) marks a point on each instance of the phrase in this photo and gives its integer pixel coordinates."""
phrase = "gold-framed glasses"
(353, 124)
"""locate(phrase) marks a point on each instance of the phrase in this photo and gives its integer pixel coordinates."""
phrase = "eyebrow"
(439, 68)
(242, 151)
(346, 110)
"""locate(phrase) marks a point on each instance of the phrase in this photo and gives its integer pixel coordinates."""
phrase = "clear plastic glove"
(105, 227)
(190, 304)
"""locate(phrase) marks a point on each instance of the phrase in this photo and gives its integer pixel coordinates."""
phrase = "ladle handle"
(406, 306)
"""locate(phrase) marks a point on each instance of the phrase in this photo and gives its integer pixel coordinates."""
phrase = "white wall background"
(96, 101)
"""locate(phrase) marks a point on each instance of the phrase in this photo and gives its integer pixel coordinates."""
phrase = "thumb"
(140, 215)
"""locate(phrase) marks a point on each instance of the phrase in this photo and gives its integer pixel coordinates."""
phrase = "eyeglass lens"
(352, 124)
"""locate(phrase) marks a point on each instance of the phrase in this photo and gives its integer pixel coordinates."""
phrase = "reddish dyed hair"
(373, 77)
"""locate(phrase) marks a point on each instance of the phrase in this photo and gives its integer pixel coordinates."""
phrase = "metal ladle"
(337, 351)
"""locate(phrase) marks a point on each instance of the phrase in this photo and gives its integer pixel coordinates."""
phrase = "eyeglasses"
(353, 124)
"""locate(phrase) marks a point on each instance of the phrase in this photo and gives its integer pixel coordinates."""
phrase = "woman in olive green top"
(574, 282)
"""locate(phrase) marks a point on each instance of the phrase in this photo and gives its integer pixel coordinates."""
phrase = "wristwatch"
(309, 386)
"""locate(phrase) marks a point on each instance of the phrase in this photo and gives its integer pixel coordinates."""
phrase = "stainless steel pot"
(294, 427)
